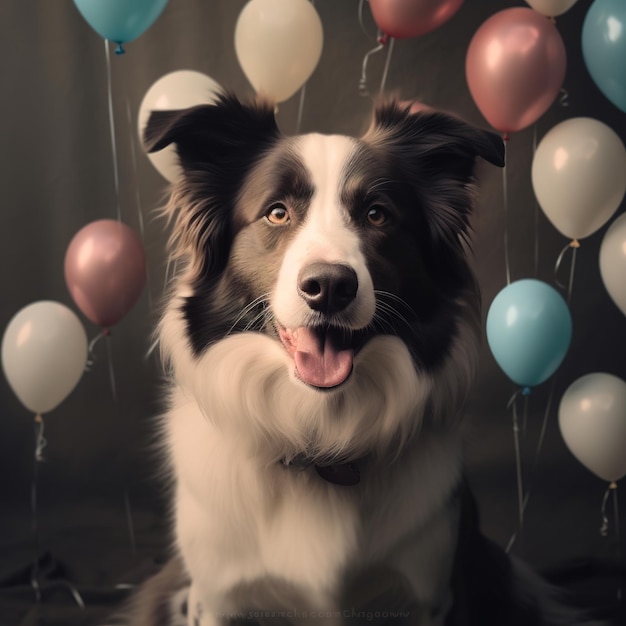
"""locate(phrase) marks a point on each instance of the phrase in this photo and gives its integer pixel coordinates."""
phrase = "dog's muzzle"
(323, 354)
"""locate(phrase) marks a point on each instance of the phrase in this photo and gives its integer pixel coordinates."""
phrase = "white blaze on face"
(325, 236)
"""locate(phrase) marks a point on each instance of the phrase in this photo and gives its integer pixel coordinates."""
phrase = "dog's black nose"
(328, 287)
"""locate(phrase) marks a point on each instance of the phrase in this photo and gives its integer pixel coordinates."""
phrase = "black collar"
(346, 474)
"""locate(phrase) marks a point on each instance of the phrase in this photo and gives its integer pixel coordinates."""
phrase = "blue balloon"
(529, 329)
(604, 48)
(120, 20)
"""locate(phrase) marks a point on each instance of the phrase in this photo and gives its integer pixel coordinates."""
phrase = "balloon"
(515, 65)
(44, 354)
(579, 175)
(176, 90)
(411, 18)
(551, 8)
(592, 419)
(529, 328)
(120, 21)
(613, 261)
(105, 270)
(604, 48)
(278, 45)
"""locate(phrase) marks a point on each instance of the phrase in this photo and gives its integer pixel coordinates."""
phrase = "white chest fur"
(240, 520)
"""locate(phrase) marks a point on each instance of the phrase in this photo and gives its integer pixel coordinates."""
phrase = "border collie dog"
(321, 334)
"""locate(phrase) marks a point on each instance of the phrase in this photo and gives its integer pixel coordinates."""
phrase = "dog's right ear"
(213, 134)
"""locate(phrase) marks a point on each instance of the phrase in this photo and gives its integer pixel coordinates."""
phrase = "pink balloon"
(515, 67)
(411, 18)
(105, 270)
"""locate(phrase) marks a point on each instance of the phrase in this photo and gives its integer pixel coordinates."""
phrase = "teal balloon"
(120, 21)
(604, 48)
(529, 329)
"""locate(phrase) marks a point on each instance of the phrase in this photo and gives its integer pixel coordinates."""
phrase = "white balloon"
(579, 175)
(44, 353)
(278, 44)
(592, 419)
(551, 8)
(173, 91)
(613, 261)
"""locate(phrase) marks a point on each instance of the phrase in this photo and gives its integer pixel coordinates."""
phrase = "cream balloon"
(613, 261)
(44, 353)
(579, 175)
(551, 8)
(592, 419)
(176, 90)
(278, 44)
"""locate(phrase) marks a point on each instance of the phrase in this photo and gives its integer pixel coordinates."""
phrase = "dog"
(321, 336)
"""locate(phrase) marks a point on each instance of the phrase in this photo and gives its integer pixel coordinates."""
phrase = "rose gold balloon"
(105, 270)
(411, 18)
(515, 67)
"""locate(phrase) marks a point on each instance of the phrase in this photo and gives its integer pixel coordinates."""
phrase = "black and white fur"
(325, 320)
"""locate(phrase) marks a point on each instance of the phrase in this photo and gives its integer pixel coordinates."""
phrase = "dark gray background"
(57, 175)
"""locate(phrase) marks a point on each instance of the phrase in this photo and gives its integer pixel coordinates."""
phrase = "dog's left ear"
(432, 134)
(436, 153)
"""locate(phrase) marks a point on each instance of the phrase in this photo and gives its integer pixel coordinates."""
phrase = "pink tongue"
(320, 365)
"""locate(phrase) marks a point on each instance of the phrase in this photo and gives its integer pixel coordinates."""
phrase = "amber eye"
(278, 214)
(377, 215)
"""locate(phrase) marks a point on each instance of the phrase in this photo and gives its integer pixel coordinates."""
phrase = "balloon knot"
(106, 332)
(505, 137)
(613, 485)
(574, 243)
(383, 39)
(38, 419)
(119, 49)
(526, 391)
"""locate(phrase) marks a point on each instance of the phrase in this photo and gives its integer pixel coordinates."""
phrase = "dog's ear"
(433, 133)
(435, 154)
(223, 132)
(217, 145)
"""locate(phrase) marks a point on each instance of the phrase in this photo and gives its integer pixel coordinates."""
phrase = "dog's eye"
(377, 215)
(278, 214)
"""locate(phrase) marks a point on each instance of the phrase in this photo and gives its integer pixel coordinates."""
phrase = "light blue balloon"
(604, 48)
(120, 20)
(529, 329)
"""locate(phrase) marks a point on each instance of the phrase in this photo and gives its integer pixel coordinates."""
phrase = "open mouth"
(323, 355)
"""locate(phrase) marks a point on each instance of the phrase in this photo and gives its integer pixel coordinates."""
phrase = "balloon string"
(133, 154)
(127, 508)
(91, 354)
(38, 457)
(112, 129)
(542, 435)
(40, 444)
(536, 211)
(573, 245)
(505, 200)
(604, 527)
(361, 22)
(544, 424)
(383, 80)
(618, 541)
(521, 500)
(302, 98)
(518, 469)
(382, 41)
(300, 108)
